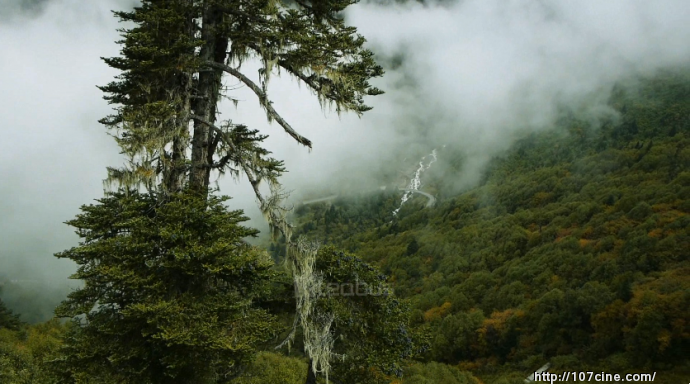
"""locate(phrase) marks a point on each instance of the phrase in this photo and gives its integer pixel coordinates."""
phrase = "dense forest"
(571, 250)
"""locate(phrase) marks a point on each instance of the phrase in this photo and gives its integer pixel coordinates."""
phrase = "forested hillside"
(573, 250)
(519, 199)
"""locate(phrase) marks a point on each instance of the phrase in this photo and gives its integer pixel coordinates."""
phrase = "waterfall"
(415, 182)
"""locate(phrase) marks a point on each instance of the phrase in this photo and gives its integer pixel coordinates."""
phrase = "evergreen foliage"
(169, 292)
(372, 328)
(172, 64)
(167, 275)
(8, 319)
(272, 368)
(437, 373)
(24, 352)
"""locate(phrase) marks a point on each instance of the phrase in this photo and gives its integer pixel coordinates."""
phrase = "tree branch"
(218, 131)
(275, 219)
(263, 99)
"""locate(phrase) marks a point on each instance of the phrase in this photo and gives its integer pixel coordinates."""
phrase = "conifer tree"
(371, 331)
(8, 319)
(169, 293)
(173, 62)
(167, 276)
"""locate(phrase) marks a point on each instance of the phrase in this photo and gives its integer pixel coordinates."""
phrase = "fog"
(474, 75)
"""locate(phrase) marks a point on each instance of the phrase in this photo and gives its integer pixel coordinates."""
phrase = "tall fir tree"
(174, 60)
(170, 288)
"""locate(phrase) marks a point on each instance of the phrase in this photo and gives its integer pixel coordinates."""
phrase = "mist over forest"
(480, 82)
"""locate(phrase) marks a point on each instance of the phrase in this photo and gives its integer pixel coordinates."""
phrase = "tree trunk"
(174, 178)
(177, 174)
(311, 377)
(214, 48)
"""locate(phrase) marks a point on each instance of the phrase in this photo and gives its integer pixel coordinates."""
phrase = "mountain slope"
(574, 248)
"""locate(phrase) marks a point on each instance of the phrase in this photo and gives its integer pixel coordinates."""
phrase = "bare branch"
(263, 99)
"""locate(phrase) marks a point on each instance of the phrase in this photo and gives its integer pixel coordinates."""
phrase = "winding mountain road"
(432, 199)
(320, 199)
(429, 204)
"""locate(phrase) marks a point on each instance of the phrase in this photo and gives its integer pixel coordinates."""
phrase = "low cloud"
(473, 75)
